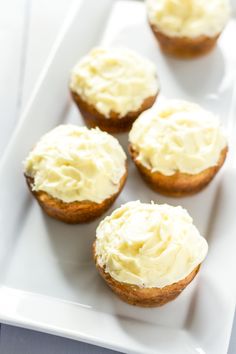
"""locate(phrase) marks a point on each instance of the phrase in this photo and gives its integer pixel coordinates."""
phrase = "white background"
(28, 29)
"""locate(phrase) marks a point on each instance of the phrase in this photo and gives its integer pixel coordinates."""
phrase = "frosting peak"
(149, 245)
(73, 163)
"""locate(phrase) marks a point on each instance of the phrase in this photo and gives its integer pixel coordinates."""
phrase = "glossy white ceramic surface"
(47, 276)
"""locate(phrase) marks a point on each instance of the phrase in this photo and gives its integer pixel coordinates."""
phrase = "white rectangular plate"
(48, 280)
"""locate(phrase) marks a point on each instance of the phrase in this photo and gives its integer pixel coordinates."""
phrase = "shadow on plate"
(199, 76)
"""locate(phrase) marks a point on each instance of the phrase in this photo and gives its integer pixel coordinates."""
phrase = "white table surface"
(28, 29)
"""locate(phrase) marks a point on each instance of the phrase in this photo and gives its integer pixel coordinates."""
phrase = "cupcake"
(76, 173)
(178, 147)
(187, 28)
(148, 253)
(112, 86)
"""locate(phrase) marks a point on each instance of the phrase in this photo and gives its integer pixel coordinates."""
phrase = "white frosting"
(149, 245)
(114, 80)
(74, 163)
(177, 136)
(188, 18)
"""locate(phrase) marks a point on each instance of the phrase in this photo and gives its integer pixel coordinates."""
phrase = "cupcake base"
(179, 184)
(75, 212)
(114, 123)
(184, 47)
(145, 297)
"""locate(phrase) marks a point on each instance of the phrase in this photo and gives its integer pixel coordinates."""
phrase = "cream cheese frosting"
(149, 245)
(177, 136)
(188, 18)
(73, 163)
(114, 80)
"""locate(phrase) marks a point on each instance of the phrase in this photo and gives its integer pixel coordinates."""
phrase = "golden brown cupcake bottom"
(145, 297)
(75, 212)
(113, 124)
(179, 184)
(184, 47)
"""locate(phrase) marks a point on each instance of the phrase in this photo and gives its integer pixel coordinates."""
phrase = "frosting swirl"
(114, 80)
(149, 245)
(188, 18)
(177, 136)
(73, 163)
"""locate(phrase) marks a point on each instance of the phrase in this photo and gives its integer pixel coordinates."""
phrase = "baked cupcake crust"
(180, 184)
(144, 297)
(75, 212)
(184, 47)
(114, 123)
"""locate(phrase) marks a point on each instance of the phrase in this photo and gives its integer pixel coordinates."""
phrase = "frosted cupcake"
(178, 147)
(187, 28)
(112, 86)
(76, 173)
(148, 253)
